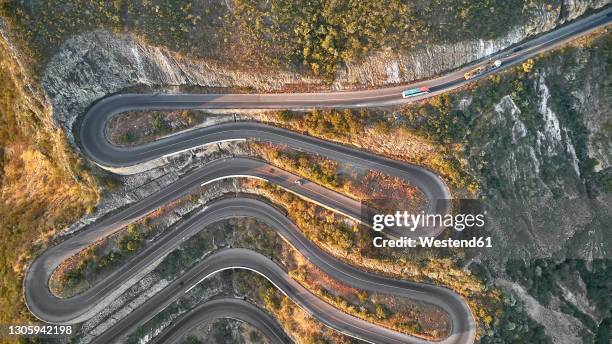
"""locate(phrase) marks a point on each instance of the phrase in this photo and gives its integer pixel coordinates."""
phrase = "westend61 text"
(405, 242)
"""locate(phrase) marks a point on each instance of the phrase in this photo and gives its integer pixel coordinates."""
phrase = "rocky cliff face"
(385, 67)
(538, 143)
(539, 153)
(93, 65)
(96, 64)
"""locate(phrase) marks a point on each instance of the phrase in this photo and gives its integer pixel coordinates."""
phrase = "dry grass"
(42, 185)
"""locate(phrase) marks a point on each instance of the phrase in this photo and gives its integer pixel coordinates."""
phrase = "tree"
(132, 245)
(285, 115)
(380, 312)
(528, 65)
(362, 296)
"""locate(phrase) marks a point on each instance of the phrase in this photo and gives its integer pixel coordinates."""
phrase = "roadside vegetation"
(403, 315)
(353, 244)
(578, 70)
(84, 269)
(426, 134)
(456, 126)
(358, 183)
(317, 37)
(138, 127)
(323, 36)
(302, 327)
(321, 170)
(95, 262)
(43, 186)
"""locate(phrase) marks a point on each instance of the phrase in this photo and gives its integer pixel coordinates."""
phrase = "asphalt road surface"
(110, 106)
(224, 308)
(239, 258)
(97, 147)
(49, 308)
(235, 207)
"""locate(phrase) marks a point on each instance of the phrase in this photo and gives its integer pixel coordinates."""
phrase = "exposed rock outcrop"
(93, 65)
(535, 152)
(388, 67)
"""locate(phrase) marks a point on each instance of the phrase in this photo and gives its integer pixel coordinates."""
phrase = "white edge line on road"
(289, 190)
(202, 145)
(235, 267)
(234, 176)
(282, 291)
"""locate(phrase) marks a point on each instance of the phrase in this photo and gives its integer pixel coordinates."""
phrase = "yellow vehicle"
(474, 72)
(477, 71)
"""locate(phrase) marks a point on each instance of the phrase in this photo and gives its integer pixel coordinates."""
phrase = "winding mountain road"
(224, 308)
(235, 207)
(99, 113)
(47, 307)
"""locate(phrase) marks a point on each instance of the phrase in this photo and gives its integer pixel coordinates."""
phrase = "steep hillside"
(539, 140)
(42, 187)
